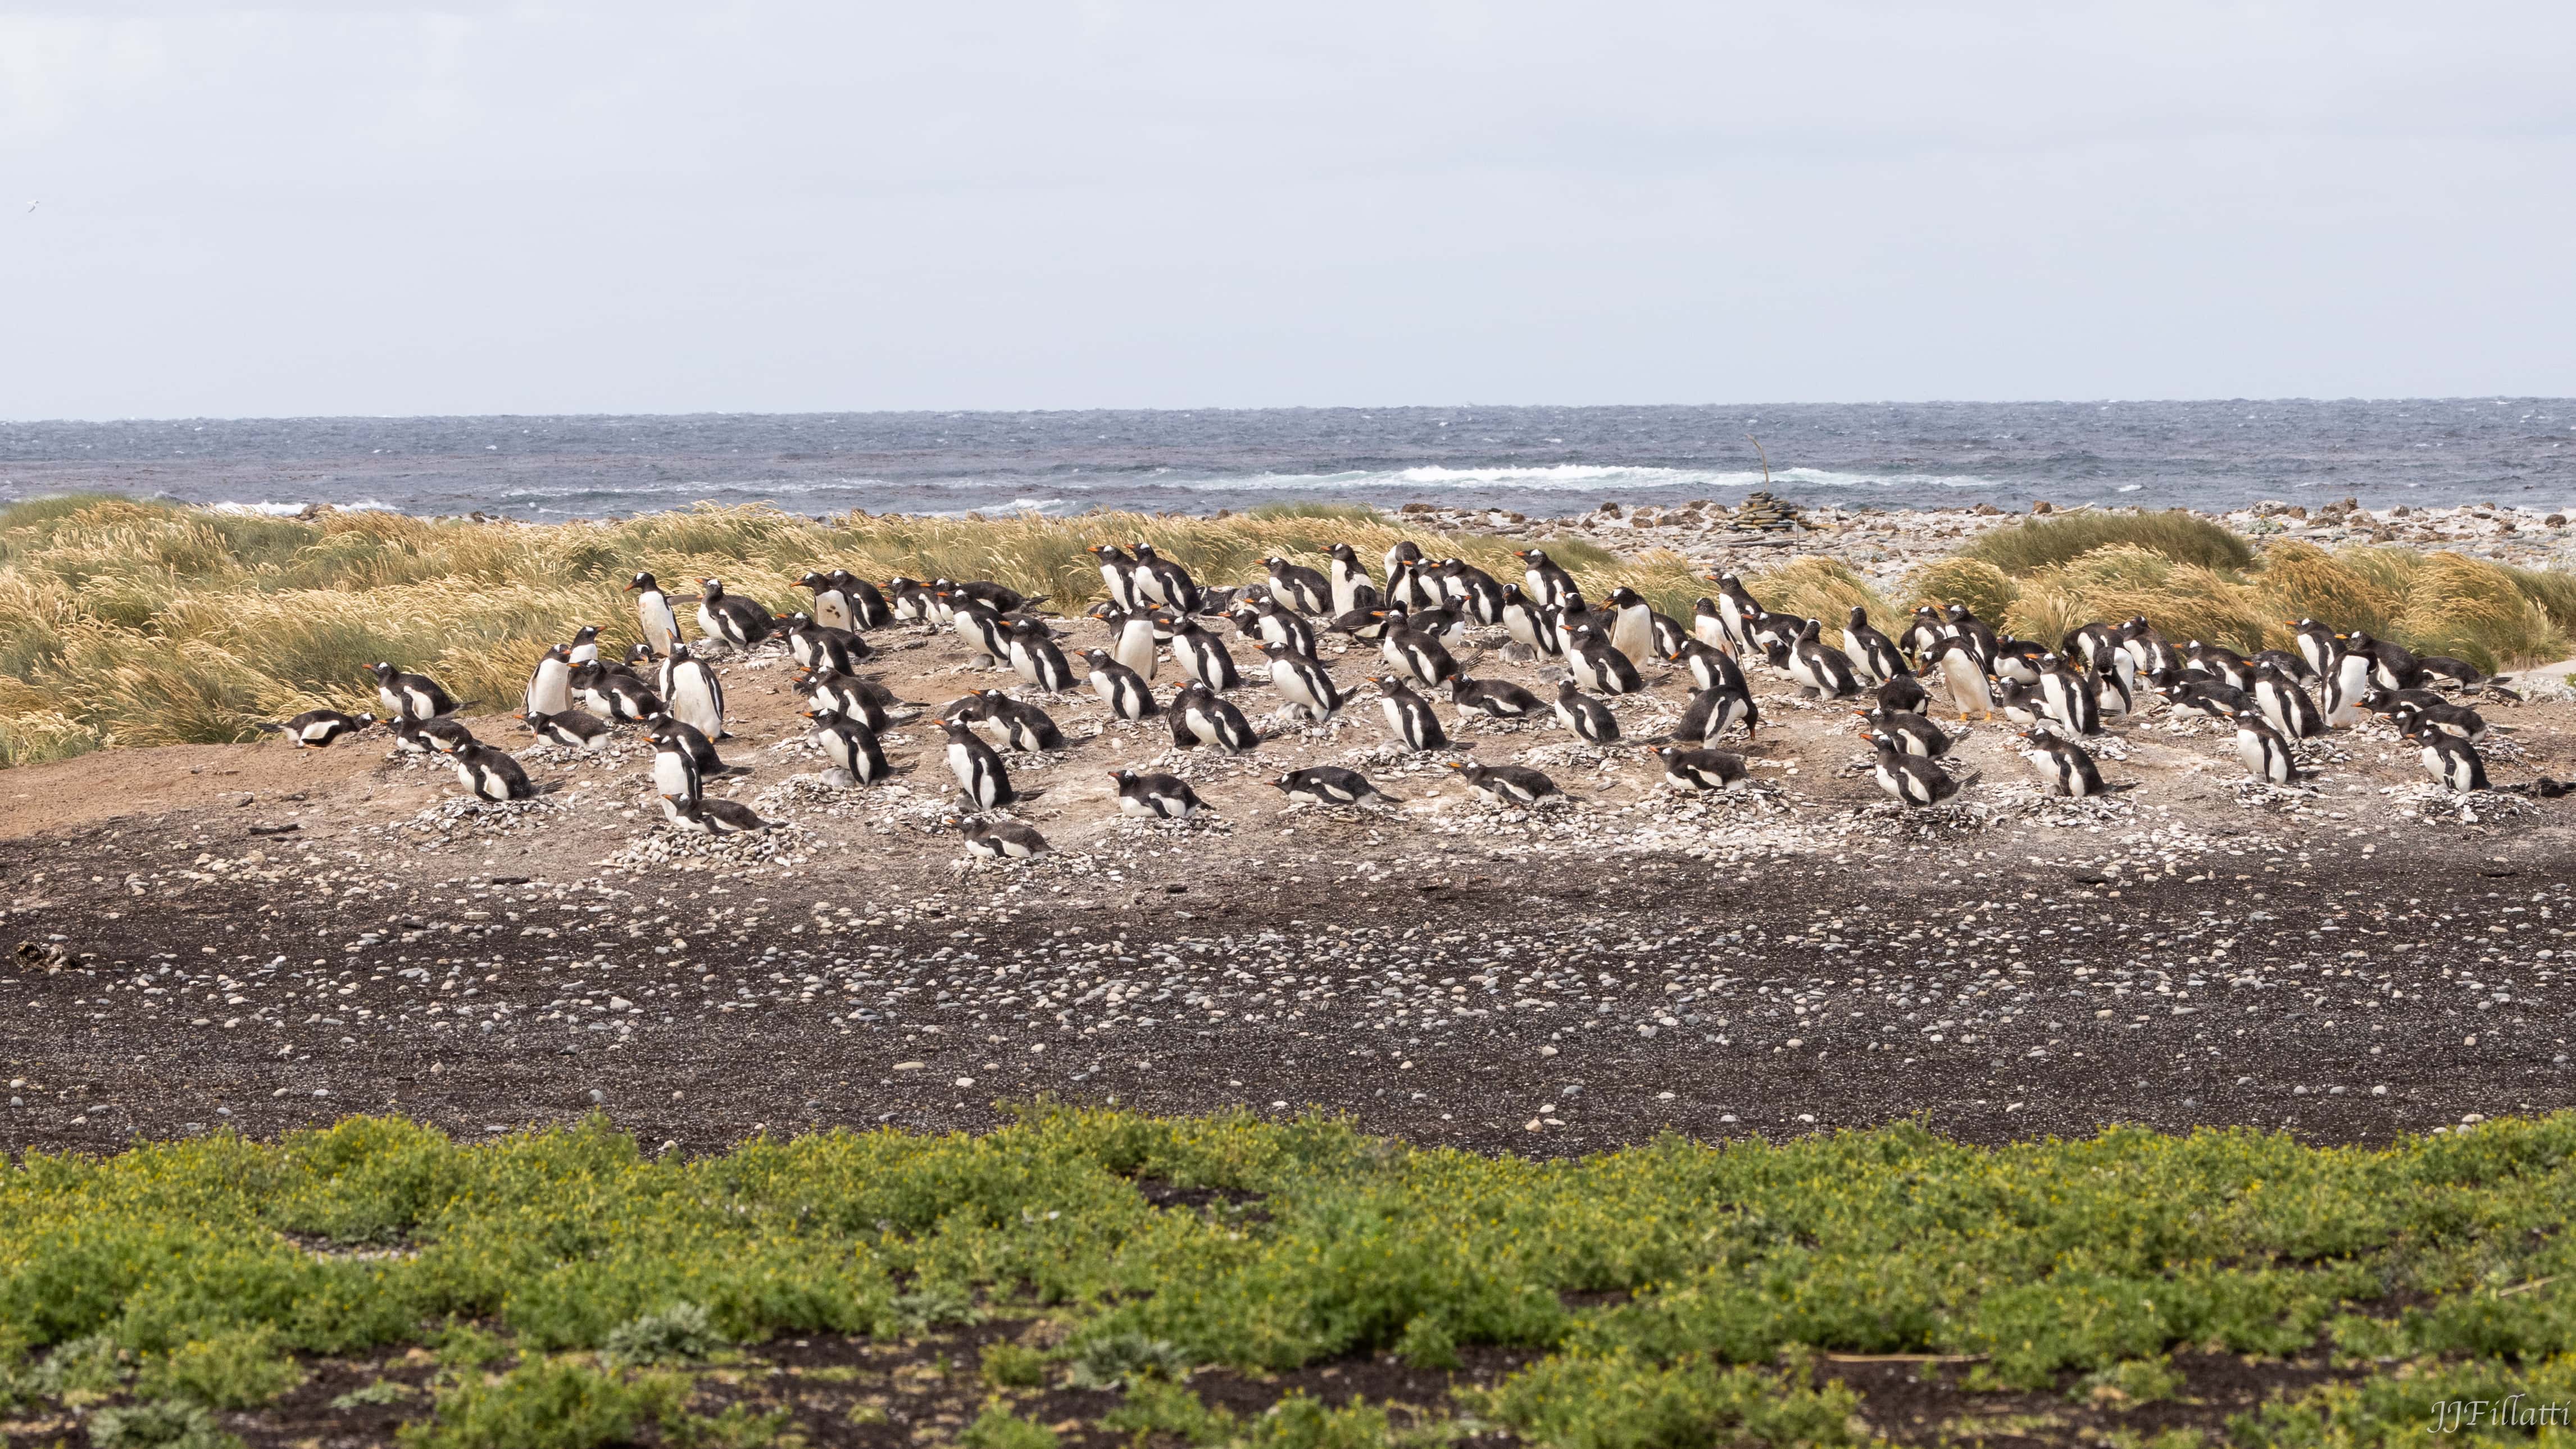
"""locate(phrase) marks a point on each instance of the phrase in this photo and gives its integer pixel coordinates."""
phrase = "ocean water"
(1537, 460)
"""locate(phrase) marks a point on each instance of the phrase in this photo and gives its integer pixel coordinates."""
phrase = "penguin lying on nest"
(317, 728)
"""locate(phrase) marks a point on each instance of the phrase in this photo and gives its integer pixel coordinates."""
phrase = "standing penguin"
(491, 775)
(1121, 688)
(1201, 655)
(1302, 680)
(1474, 590)
(1715, 710)
(1824, 671)
(2066, 698)
(2265, 750)
(1595, 665)
(1035, 656)
(2286, 705)
(2064, 767)
(1117, 575)
(976, 623)
(653, 612)
(1132, 639)
(1416, 652)
(1410, 715)
(1873, 655)
(850, 745)
(731, 617)
(832, 606)
(1161, 581)
(1526, 621)
(2113, 682)
(1632, 624)
(584, 647)
(1586, 716)
(1346, 576)
(1961, 679)
(978, 768)
(868, 608)
(2348, 690)
(676, 775)
(2318, 646)
(410, 696)
(693, 694)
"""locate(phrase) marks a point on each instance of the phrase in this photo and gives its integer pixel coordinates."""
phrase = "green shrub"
(998, 1428)
(1298, 1422)
(93, 1365)
(162, 1424)
(1115, 1359)
(1013, 1366)
(681, 1333)
(1160, 1407)
(238, 1369)
(546, 1404)
(382, 1391)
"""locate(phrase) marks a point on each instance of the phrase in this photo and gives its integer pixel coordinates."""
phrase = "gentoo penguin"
(850, 745)
(1024, 726)
(1474, 591)
(2207, 698)
(637, 661)
(2318, 646)
(1595, 665)
(679, 734)
(491, 775)
(731, 617)
(975, 622)
(1737, 609)
(1117, 574)
(1121, 688)
(1493, 698)
(2392, 665)
(2443, 671)
(584, 646)
(1710, 666)
(831, 603)
(709, 816)
(1960, 681)
(1585, 715)
(1715, 710)
(1212, 720)
(1669, 635)
(868, 608)
(1201, 655)
(1690, 769)
(1161, 581)
(1506, 785)
(410, 696)
(1346, 576)
(908, 601)
(576, 729)
(2218, 662)
(1708, 626)
(693, 694)
(1772, 635)
(1632, 626)
(2018, 660)
(816, 645)
(2294, 665)
(978, 768)
(1873, 655)
(1302, 681)
(1417, 653)
(2113, 681)
(1332, 785)
(1821, 670)
(318, 728)
(2019, 703)
(1035, 656)
(846, 695)
(2286, 705)
(1904, 692)
(2451, 760)
(1299, 587)
(2066, 698)
(1000, 598)
(653, 612)
(2083, 641)
(999, 837)
(1981, 637)
(430, 736)
(1411, 585)
(1924, 632)
(1912, 733)
(1131, 638)
(1410, 715)
(1911, 779)
(2265, 750)
(1156, 797)
(2421, 706)
(2065, 767)
(1403, 551)
(2347, 690)
(1526, 622)
(2148, 652)
(1544, 581)
(1265, 621)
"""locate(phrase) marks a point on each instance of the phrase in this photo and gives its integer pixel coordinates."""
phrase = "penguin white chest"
(670, 773)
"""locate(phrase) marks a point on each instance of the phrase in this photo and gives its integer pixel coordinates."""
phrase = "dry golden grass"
(2184, 601)
(1984, 588)
(1817, 588)
(2041, 543)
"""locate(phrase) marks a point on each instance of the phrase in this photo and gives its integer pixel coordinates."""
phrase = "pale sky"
(346, 207)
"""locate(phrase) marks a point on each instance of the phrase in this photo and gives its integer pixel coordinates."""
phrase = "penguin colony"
(1157, 628)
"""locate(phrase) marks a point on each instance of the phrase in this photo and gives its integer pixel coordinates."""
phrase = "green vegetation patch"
(564, 1288)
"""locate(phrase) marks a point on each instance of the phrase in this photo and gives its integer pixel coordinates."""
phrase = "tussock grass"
(1987, 590)
(2183, 600)
(143, 623)
(1728, 1268)
(1817, 588)
(2309, 583)
(2042, 543)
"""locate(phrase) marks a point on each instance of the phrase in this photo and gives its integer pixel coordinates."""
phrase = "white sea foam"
(268, 509)
(1573, 478)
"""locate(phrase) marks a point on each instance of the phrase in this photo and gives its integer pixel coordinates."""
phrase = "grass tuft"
(1988, 591)
(2043, 543)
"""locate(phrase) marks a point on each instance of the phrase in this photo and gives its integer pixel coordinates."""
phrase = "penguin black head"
(640, 583)
(814, 581)
(585, 634)
(1624, 597)
(1531, 556)
(384, 673)
(641, 654)
(1286, 782)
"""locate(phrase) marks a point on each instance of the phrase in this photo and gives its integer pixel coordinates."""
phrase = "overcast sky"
(348, 207)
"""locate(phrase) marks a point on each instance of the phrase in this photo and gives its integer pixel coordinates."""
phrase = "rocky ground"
(259, 937)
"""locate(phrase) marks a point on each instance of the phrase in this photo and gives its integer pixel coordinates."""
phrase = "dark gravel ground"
(1549, 1005)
